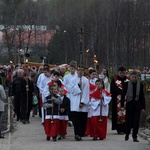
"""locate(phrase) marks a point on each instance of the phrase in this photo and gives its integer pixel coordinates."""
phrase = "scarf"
(129, 94)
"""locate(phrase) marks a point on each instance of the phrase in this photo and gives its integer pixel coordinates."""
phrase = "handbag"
(34, 100)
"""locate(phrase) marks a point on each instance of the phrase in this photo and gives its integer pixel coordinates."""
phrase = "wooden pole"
(27, 87)
(100, 118)
(52, 120)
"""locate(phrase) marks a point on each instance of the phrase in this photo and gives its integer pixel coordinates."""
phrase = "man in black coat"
(135, 104)
(19, 96)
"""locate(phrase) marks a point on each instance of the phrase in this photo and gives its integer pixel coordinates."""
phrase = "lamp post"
(21, 54)
(87, 57)
(66, 51)
(95, 64)
(43, 59)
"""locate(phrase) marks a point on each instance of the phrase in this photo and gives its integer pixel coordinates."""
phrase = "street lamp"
(87, 57)
(95, 62)
(21, 54)
(27, 60)
(11, 62)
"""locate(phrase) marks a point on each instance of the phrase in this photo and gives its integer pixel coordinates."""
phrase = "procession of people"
(65, 95)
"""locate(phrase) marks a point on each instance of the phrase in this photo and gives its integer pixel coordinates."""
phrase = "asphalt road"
(32, 137)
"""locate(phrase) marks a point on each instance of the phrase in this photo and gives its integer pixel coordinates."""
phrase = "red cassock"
(59, 126)
(63, 127)
(88, 127)
(51, 130)
(88, 124)
(98, 128)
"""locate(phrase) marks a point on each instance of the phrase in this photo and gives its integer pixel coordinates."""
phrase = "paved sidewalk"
(32, 137)
(145, 134)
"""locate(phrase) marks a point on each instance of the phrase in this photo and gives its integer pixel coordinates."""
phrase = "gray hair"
(20, 70)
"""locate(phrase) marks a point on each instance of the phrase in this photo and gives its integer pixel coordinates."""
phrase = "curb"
(145, 136)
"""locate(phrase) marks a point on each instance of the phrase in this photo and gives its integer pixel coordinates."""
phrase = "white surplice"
(40, 78)
(67, 80)
(79, 95)
(95, 105)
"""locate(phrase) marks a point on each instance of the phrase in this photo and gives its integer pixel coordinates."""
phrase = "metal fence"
(8, 110)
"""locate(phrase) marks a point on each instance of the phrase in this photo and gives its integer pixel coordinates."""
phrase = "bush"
(144, 115)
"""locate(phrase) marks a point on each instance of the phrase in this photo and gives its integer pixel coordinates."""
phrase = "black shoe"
(126, 137)
(54, 138)
(1, 137)
(69, 123)
(63, 136)
(121, 133)
(28, 122)
(101, 139)
(135, 140)
(94, 139)
(78, 138)
(47, 138)
(17, 119)
(59, 137)
(23, 121)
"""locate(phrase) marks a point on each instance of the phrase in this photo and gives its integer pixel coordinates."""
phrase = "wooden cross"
(81, 49)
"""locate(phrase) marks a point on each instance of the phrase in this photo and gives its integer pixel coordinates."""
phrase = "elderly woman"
(2, 98)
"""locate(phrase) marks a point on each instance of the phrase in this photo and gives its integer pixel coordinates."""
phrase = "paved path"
(32, 137)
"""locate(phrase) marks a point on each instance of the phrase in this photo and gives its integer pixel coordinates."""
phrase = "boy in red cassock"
(63, 113)
(52, 105)
(99, 111)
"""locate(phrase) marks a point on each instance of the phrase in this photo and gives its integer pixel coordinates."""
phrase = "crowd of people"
(69, 95)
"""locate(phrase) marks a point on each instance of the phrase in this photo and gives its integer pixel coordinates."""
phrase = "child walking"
(63, 113)
(52, 105)
(99, 111)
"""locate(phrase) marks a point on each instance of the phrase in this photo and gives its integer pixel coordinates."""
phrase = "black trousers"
(132, 118)
(0, 121)
(79, 120)
(121, 128)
